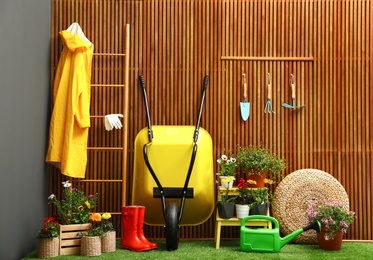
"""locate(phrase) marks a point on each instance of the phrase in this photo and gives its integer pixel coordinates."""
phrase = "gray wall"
(24, 114)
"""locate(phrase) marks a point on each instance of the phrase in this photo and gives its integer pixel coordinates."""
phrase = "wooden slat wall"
(327, 45)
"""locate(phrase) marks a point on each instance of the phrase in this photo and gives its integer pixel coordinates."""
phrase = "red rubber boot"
(129, 230)
(140, 229)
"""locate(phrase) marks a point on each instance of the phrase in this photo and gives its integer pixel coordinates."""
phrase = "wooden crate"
(69, 239)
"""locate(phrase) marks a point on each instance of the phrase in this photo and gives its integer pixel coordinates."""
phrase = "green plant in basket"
(333, 216)
(95, 228)
(105, 224)
(50, 228)
(75, 207)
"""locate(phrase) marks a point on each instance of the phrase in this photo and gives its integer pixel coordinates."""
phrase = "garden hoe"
(245, 106)
(268, 107)
(292, 96)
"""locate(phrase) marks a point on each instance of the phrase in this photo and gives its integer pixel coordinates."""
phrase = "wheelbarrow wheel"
(172, 227)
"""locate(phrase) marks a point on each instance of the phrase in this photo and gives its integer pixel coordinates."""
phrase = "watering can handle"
(260, 217)
(292, 87)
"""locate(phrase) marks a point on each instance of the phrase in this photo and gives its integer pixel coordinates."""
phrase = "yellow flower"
(268, 181)
(251, 182)
(88, 204)
(228, 179)
(96, 217)
(106, 215)
(81, 207)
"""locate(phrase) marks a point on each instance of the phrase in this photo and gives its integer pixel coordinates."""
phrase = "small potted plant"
(109, 234)
(228, 166)
(91, 238)
(335, 219)
(226, 202)
(48, 239)
(244, 197)
(259, 163)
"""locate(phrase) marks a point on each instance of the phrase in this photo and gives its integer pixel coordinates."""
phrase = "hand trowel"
(245, 106)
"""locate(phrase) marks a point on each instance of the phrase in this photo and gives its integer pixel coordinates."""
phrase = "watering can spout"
(315, 226)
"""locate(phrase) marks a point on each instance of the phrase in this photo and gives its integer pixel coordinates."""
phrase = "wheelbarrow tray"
(169, 154)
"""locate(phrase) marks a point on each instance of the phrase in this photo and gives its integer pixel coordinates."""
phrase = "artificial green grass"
(231, 250)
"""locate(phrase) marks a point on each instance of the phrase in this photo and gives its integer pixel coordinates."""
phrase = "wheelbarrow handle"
(196, 131)
(142, 84)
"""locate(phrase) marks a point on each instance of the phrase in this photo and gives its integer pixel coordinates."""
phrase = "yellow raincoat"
(70, 122)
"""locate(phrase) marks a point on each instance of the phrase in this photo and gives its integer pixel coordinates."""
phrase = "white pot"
(226, 185)
(242, 210)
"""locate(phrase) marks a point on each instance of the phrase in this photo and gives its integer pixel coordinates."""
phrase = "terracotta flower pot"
(333, 244)
(258, 178)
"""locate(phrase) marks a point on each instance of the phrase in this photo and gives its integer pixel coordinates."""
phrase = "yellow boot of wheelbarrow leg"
(169, 155)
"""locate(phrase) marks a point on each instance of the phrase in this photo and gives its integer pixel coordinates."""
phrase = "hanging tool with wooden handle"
(292, 96)
(268, 107)
(245, 106)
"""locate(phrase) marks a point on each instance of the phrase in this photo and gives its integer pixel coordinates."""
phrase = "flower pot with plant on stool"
(228, 168)
(262, 198)
(48, 239)
(259, 163)
(335, 219)
(225, 204)
(244, 196)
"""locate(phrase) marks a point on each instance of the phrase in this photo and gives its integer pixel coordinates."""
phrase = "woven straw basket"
(48, 247)
(90, 246)
(108, 242)
(296, 192)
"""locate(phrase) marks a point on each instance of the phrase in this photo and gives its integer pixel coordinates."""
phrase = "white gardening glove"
(108, 126)
(113, 121)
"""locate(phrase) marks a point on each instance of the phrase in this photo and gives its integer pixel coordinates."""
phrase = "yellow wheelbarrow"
(174, 165)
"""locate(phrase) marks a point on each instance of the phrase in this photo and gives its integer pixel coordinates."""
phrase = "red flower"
(242, 184)
(45, 230)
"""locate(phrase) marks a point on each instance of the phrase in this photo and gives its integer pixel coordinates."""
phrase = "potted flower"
(91, 238)
(244, 196)
(73, 213)
(335, 219)
(262, 198)
(228, 166)
(259, 163)
(48, 239)
(109, 235)
(226, 202)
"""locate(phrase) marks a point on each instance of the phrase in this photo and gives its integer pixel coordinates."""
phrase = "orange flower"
(268, 181)
(251, 182)
(95, 217)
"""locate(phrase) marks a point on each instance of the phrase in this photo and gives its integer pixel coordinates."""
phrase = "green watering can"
(265, 239)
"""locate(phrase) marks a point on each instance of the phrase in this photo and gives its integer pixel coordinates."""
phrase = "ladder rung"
(105, 148)
(91, 180)
(109, 54)
(107, 85)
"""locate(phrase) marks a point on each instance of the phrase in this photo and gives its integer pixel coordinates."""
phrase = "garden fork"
(268, 107)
